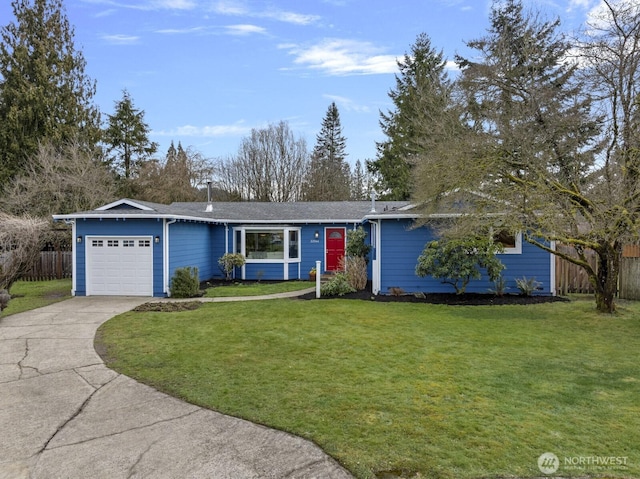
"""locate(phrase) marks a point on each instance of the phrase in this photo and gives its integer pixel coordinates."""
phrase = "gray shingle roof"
(251, 212)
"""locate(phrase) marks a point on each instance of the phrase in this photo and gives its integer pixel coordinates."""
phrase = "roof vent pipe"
(209, 208)
(373, 201)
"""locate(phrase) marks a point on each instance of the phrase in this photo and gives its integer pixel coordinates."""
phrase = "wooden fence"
(51, 265)
(573, 279)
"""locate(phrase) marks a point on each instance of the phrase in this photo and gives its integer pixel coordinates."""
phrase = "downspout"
(552, 276)
(165, 255)
(375, 266)
(73, 256)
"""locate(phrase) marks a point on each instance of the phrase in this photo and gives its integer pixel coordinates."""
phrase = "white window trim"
(285, 229)
(518, 247)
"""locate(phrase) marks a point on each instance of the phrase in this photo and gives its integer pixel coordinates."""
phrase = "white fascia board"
(125, 216)
(130, 203)
(115, 215)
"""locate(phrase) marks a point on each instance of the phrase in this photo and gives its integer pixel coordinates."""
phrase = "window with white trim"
(268, 244)
(511, 242)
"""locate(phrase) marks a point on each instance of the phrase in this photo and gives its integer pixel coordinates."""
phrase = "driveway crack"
(139, 459)
(118, 433)
(21, 366)
(76, 413)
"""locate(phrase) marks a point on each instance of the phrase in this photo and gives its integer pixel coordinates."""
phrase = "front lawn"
(447, 392)
(225, 290)
(28, 295)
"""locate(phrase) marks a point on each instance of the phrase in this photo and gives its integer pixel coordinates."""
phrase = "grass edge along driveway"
(447, 392)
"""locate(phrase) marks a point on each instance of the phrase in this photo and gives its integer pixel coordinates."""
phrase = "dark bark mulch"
(467, 299)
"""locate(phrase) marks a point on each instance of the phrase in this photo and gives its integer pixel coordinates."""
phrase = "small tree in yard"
(21, 240)
(229, 261)
(458, 261)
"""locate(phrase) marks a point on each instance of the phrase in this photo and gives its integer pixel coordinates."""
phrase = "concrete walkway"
(64, 414)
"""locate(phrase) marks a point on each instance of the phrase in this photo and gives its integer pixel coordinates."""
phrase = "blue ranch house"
(132, 248)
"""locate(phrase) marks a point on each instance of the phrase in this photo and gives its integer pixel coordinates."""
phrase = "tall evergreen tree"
(421, 95)
(127, 136)
(329, 174)
(45, 95)
(360, 183)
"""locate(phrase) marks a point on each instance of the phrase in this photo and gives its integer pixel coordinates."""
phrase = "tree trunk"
(606, 280)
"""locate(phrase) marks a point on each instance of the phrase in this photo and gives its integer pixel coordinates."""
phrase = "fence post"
(318, 278)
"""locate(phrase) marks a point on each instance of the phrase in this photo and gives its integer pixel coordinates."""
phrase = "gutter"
(165, 256)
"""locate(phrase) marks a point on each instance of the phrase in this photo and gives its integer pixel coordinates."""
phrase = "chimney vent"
(209, 208)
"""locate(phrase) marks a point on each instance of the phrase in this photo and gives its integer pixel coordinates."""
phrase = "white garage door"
(120, 265)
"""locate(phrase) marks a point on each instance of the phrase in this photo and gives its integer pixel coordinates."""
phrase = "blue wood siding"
(311, 249)
(267, 271)
(401, 245)
(118, 227)
(218, 250)
(191, 244)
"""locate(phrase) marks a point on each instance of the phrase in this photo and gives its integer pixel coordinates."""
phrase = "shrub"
(527, 285)
(185, 283)
(4, 299)
(229, 261)
(499, 286)
(458, 261)
(356, 247)
(356, 270)
(338, 286)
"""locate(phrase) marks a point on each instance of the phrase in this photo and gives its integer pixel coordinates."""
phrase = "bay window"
(268, 243)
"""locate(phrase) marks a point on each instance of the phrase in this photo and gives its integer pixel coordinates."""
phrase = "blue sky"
(207, 72)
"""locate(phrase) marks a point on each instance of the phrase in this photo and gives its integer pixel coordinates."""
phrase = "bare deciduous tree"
(59, 180)
(21, 240)
(269, 166)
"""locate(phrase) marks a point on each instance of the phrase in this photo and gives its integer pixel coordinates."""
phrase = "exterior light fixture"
(156, 240)
(316, 235)
(79, 239)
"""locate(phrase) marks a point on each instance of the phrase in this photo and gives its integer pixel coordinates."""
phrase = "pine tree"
(360, 183)
(127, 136)
(421, 94)
(328, 178)
(45, 95)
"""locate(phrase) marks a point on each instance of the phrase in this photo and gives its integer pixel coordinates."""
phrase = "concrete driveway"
(64, 414)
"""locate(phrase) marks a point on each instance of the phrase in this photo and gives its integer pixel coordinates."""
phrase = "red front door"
(335, 243)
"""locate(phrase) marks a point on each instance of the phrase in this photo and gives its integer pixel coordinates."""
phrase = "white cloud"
(347, 104)
(149, 4)
(209, 131)
(120, 39)
(245, 29)
(289, 17)
(181, 31)
(174, 4)
(337, 56)
(579, 4)
(230, 7)
(238, 8)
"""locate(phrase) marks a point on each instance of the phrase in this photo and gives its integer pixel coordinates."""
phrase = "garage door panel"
(119, 266)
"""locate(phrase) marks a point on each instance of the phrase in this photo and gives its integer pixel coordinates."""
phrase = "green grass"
(447, 392)
(28, 295)
(256, 289)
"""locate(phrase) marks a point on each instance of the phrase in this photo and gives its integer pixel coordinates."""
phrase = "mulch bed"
(466, 299)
